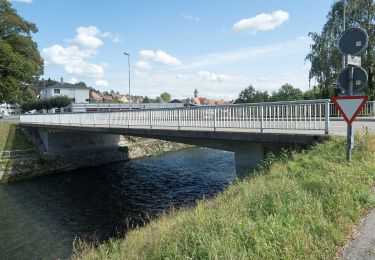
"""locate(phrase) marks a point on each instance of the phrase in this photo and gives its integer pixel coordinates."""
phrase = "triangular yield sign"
(349, 106)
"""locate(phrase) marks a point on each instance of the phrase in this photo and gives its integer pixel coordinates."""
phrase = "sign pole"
(350, 135)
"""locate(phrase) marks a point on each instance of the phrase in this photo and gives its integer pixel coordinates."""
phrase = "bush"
(55, 102)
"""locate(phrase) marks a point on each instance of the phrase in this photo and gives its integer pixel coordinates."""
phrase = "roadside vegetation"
(300, 206)
(12, 139)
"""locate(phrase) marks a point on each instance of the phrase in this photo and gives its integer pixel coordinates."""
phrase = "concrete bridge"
(248, 130)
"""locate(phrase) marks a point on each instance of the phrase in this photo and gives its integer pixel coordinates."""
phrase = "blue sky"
(219, 47)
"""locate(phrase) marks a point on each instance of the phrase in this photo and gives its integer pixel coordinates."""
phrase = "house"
(78, 93)
(95, 97)
(9, 109)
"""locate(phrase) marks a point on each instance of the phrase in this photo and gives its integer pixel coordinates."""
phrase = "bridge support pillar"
(247, 157)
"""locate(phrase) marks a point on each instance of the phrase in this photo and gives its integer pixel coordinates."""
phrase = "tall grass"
(294, 208)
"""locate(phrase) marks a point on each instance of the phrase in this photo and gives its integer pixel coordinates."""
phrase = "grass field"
(302, 206)
(12, 139)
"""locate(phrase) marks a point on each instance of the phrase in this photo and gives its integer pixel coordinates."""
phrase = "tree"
(20, 61)
(81, 84)
(165, 97)
(250, 95)
(326, 60)
(55, 102)
(146, 99)
(286, 93)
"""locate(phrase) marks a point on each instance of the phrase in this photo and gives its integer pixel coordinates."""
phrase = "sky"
(218, 47)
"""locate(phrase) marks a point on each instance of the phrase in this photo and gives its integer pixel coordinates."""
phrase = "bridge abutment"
(247, 157)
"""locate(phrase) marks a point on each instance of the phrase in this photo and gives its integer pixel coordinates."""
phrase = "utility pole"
(130, 99)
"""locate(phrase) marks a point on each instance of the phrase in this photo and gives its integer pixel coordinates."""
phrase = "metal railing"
(290, 115)
(19, 153)
(368, 110)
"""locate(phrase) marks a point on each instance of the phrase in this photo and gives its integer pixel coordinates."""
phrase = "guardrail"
(290, 115)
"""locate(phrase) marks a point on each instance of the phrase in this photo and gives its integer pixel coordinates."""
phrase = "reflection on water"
(40, 218)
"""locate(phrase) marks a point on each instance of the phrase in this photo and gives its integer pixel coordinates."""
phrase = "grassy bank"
(12, 139)
(299, 207)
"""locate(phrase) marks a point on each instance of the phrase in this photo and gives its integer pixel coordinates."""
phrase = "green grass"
(301, 207)
(12, 139)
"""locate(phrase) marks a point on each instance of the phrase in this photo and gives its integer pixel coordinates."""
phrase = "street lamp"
(127, 54)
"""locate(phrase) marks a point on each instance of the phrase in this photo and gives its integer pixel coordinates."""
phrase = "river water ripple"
(41, 217)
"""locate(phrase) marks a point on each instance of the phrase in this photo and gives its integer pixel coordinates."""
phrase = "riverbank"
(23, 157)
(300, 206)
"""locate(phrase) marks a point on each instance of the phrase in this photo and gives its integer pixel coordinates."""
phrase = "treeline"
(285, 93)
(54, 102)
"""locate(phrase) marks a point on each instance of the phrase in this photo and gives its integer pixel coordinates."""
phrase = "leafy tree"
(20, 61)
(313, 93)
(55, 102)
(81, 84)
(250, 95)
(165, 96)
(326, 60)
(286, 93)
(146, 99)
(158, 100)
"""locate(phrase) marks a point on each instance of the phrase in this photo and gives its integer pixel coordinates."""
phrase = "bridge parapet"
(289, 115)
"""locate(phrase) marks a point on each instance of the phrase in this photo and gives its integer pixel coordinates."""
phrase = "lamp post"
(127, 54)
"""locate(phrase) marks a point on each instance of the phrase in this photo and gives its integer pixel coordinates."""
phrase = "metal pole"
(130, 99)
(350, 136)
(344, 29)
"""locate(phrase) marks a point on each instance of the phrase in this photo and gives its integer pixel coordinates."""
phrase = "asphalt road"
(363, 246)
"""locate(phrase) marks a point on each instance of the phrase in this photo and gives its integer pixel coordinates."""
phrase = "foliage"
(303, 207)
(165, 97)
(286, 93)
(250, 95)
(11, 138)
(55, 102)
(146, 99)
(20, 61)
(325, 58)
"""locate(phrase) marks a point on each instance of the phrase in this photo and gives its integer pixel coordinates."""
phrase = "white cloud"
(72, 80)
(108, 35)
(212, 76)
(299, 45)
(160, 56)
(101, 83)
(191, 17)
(74, 56)
(73, 59)
(261, 22)
(22, 1)
(143, 65)
(87, 37)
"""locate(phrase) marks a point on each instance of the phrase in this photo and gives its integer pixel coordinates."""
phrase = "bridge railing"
(290, 115)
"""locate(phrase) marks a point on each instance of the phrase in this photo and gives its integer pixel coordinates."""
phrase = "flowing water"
(41, 217)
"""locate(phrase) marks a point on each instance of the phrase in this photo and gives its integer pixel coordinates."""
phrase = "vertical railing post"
(261, 118)
(80, 118)
(94, 119)
(215, 119)
(326, 117)
(109, 119)
(179, 118)
(149, 118)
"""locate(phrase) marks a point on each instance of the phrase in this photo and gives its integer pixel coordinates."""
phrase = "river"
(41, 217)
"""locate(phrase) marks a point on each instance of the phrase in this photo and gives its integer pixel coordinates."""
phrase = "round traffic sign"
(360, 78)
(353, 41)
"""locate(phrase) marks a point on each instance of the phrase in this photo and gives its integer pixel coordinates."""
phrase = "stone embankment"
(24, 167)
